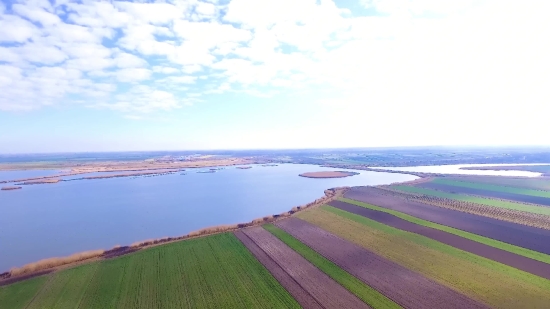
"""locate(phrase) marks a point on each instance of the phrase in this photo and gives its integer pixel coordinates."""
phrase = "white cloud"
(36, 14)
(143, 99)
(15, 29)
(155, 13)
(133, 75)
(125, 60)
(165, 70)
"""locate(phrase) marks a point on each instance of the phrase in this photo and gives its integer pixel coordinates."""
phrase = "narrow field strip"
(532, 238)
(18, 295)
(476, 199)
(542, 201)
(498, 285)
(302, 296)
(527, 183)
(405, 223)
(544, 259)
(326, 291)
(492, 187)
(366, 293)
(403, 286)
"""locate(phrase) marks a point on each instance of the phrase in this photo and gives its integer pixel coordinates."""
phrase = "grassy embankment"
(493, 283)
(476, 199)
(209, 272)
(492, 187)
(364, 292)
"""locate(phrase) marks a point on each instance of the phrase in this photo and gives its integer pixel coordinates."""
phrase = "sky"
(254, 74)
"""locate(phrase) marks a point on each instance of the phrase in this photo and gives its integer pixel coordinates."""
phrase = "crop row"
(321, 287)
(403, 286)
(366, 293)
(492, 187)
(209, 272)
(495, 284)
(534, 239)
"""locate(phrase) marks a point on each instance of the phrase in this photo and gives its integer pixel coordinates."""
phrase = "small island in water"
(328, 174)
(10, 188)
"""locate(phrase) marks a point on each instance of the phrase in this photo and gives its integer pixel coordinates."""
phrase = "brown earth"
(403, 286)
(294, 288)
(10, 188)
(488, 193)
(319, 285)
(508, 258)
(10, 280)
(328, 174)
(520, 235)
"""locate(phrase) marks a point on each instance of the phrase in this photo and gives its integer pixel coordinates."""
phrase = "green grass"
(529, 183)
(210, 272)
(484, 240)
(18, 295)
(475, 199)
(496, 284)
(491, 187)
(364, 292)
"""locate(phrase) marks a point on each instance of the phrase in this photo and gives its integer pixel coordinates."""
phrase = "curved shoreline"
(49, 265)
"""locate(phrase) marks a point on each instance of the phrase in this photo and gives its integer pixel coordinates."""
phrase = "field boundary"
(541, 257)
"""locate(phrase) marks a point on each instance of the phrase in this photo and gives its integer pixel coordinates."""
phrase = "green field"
(476, 199)
(354, 285)
(210, 272)
(529, 183)
(492, 187)
(493, 283)
(481, 239)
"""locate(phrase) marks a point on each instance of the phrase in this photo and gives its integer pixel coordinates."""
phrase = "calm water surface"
(15, 175)
(48, 220)
(455, 169)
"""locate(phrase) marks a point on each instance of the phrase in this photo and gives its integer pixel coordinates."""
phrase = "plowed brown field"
(326, 291)
(517, 261)
(302, 296)
(405, 287)
(520, 235)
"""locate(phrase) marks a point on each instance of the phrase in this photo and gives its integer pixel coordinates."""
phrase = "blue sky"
(118, 75)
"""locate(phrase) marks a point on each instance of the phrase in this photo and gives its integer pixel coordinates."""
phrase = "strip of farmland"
(495, 284)
(483, 192)
(297, 291)
(405, 287)
(517, 261)
(506, 204)
(519, 235)
(366, 293)
(492, 187)
(326, 291)
(536, 183)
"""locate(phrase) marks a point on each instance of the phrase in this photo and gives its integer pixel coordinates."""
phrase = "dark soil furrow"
(519, 235)
(326, 291)
(403, 286)
(511, 259)
(302, 296)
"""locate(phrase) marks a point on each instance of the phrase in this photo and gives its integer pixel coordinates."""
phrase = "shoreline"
(49, 265)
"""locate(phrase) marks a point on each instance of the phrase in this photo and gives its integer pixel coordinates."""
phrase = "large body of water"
(455, 169)
(47, 220)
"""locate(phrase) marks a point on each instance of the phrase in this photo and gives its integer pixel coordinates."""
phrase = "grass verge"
(363, 291)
